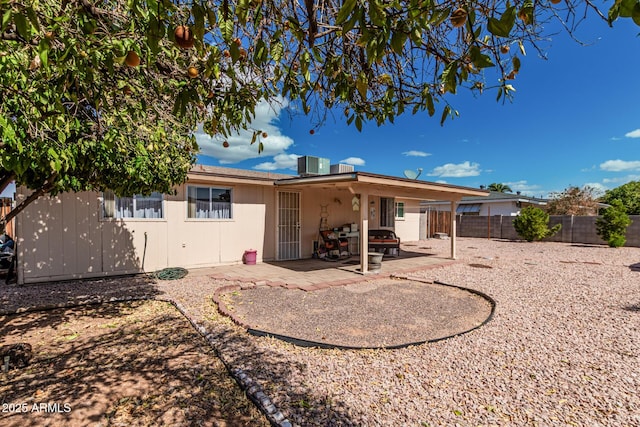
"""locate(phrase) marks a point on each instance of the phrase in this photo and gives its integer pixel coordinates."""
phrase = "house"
(213, 219)
(496, 203)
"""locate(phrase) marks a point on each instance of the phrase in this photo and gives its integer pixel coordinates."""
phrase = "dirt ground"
(118, 364)
(374, 314)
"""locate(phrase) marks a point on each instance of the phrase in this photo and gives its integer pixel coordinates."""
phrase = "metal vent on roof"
(469, 208)
(341, 168)
(310, 165)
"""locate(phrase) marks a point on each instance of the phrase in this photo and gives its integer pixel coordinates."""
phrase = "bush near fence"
(575, 229)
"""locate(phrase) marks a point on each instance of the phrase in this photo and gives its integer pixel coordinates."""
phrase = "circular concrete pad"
(371, 314)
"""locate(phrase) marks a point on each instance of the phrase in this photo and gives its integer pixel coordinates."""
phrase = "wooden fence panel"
(5, 208)
(438, 222)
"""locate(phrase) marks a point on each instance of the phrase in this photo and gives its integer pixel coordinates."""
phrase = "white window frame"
(211, 188)
(110, 202)
(397, 206)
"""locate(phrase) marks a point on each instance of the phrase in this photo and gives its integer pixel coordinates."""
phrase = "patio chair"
(333, 243)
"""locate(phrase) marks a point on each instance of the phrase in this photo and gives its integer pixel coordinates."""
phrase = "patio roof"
(384, 185)
(366, 184)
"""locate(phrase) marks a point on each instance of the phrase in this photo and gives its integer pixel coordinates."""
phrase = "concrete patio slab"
(309, 272)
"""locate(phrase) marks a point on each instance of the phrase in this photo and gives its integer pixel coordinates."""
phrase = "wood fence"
(5, 208)
(438, 222)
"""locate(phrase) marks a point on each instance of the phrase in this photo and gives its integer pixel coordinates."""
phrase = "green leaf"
(496, 28)
(516, 64)
(43, 52)
(398, 39)
(277, 50)
(260, 53)
(226, 29)
(479, 59)
(635, 14)
(449, 77)
(33, 18)
(503, 26)
(431, 109)
(22, 25)
(6, 17)
(439, 16)
(359, 123)
(626, 7)
(445, 112)
(198, 13)
(362, 86)
(345, 11)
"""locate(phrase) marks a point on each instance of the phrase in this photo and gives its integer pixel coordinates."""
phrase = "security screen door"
(288, 225)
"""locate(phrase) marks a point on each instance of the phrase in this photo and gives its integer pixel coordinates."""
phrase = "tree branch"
(46, 187)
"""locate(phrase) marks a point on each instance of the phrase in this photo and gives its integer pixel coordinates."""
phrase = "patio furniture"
(384, 241)
(333, 243)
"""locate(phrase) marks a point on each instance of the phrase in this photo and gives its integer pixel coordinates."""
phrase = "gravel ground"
(562, 349)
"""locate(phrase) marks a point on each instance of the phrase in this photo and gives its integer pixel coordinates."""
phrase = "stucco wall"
(65, 237)
(408, 228)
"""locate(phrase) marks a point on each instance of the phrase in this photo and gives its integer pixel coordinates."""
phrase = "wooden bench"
(383, 240)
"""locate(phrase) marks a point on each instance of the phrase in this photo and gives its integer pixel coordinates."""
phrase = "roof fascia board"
(318, 179)
(422, 185)
(404, 193)
(193, 178)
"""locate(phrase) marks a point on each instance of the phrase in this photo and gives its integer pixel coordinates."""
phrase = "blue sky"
(575, 121)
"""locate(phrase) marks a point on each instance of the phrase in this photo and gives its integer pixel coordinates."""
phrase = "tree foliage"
(628, 194)
(573, 201)
(533, 224)
(499, 187)
(78, 114)
(612, 225)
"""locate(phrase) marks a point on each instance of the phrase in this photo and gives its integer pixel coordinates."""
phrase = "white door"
(288, 225)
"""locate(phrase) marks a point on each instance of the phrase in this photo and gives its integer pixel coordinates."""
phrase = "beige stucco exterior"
(67, 237)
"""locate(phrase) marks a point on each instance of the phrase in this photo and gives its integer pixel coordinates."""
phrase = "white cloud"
(620, 165)
(621, 180)
(524, 187)
(355, 161)
(460, 170)
(240, 147)
(633, 134)
(281, 161)
(416, 153)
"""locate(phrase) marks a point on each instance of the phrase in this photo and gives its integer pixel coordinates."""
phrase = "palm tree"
(500, 188)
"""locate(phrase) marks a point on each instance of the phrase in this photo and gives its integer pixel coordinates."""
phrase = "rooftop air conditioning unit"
(341, 168)
(310, 165)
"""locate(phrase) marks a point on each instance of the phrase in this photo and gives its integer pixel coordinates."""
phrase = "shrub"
(612, 225)
(533, 224)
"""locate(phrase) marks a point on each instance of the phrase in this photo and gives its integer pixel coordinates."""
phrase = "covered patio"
(312, 274)
(363, 186)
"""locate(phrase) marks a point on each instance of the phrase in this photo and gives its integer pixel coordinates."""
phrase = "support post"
(364, 233)
(453, 229)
